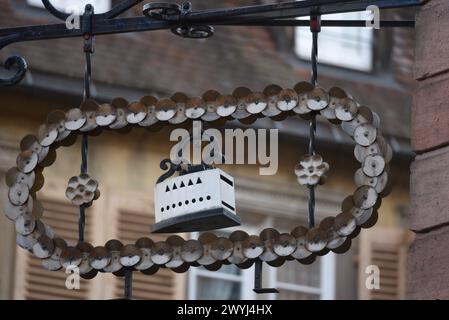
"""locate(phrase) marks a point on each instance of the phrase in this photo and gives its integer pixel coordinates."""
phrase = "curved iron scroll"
(171, 168)
(22, 67)
(18, 61)
(55, 12)
(167, 164)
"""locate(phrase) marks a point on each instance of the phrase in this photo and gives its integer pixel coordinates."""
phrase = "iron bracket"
(258, 279)
(199, 24)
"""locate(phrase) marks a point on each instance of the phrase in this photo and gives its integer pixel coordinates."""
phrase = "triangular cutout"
(199, 181)
(182, 184)
(167, 189)
(190, 183)
(174, 186)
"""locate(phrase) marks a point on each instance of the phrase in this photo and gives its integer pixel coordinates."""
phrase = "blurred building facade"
(373, 66)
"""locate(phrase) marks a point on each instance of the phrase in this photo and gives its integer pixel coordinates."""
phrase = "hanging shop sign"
(200, 199)
(197, 197)
(183, 202)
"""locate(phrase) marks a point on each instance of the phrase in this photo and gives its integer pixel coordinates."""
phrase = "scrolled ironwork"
(162, 11)
(19, 74)
(55, 12)
(196, 24)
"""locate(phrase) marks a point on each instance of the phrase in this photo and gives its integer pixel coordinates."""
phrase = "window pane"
(223, 284)
(295, 273)
(292, 295)
(229, 269)
(216, 289)
(70, 5)
(340, 46)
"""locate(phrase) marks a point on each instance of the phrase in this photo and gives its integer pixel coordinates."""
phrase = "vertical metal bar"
(315, 26)
(84, 148)
(312, 152)
(258, 279)
(88, 50)
(84, 145)
(129, 284)
(314, 56)
(81, 223)
(258, 274)
(87, 75)
(82, 217)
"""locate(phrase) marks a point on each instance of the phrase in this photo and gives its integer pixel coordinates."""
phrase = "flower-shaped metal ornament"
(311, 170)
(82, 189)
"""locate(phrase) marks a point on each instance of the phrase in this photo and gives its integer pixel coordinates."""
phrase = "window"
(339, 46)
(228, 283)
(293, 280)
(387, 249)
(269, 205)
(305, 282)
(70, 5)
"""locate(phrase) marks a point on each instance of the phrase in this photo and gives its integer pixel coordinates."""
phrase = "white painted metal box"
(203, 200)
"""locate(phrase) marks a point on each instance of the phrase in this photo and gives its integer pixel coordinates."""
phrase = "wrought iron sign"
(201, 198)
(187, 23)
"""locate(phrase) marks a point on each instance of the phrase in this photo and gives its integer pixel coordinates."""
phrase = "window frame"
(280, 200)
(326, 290)
(245, 276)
(364, 65)
(38, 4)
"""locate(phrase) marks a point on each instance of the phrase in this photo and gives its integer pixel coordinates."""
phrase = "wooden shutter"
(119, 215)
(7, 247)
(387, 249)
(32, 281)
(8, 153)
(133, 219)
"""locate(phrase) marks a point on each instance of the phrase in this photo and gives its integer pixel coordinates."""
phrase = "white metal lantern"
(197, 201)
